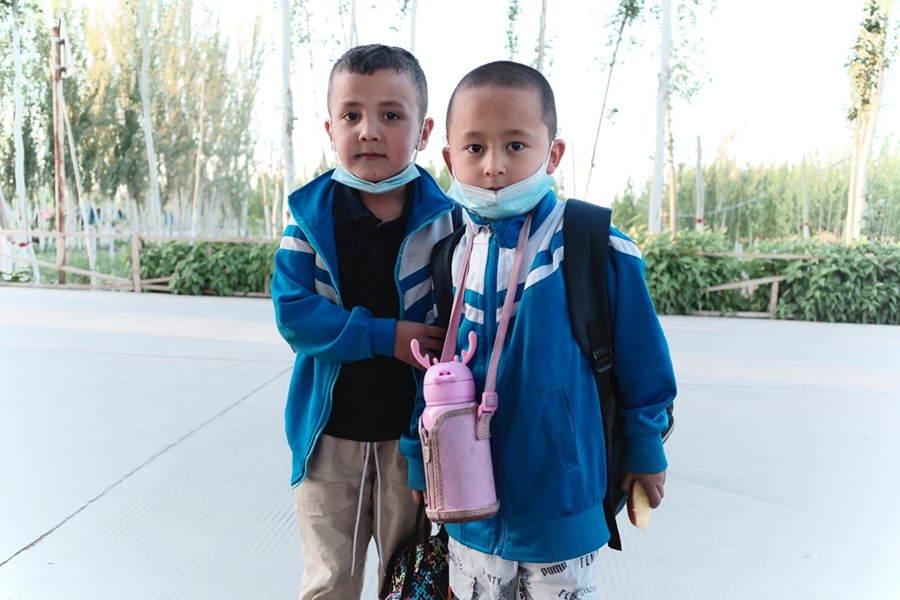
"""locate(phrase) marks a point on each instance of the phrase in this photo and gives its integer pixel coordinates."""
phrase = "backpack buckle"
(602, 359)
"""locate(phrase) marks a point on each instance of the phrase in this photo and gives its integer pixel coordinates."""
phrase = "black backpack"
(585, 227)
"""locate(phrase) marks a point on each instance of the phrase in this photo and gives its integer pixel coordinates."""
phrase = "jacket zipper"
(490, 307)
(337, 370)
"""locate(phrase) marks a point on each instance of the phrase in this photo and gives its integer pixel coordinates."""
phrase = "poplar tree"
(870, 58)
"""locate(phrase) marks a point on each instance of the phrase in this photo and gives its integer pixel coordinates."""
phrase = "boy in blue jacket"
(546, 438)
(351, 289)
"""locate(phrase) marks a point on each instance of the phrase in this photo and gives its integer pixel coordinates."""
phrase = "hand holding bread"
(638, 506)
(645, 492)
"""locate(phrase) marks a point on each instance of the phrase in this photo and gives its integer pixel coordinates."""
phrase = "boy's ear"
(427, 126)
(329, 132)
(445, 152)
(557, 149)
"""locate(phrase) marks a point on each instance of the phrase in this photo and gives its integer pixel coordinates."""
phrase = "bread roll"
(638, 506)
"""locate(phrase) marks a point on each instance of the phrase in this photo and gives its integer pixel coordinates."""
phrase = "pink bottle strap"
(489, 399)
(490, 383)
(453, 326)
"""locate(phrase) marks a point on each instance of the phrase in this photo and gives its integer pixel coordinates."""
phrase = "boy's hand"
(431, 341)
(418, 496)
(653, 484)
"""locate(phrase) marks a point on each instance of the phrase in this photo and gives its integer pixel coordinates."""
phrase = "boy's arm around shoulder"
(314, 323)
(643, 366)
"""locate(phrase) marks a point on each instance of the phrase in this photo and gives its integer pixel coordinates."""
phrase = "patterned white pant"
(475, 575)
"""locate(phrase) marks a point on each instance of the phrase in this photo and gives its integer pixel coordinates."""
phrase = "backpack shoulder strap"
(442, 276)
(586, 244)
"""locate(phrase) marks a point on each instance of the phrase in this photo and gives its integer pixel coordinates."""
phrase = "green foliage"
(512, 39)
(858, 283)
(678, 278)
(219, 268)
(442, 177)
(118, 264)
(16, 276)
(852, 284)
(849, 284)
(765, 201)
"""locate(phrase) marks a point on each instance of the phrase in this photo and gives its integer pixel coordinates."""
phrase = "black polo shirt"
(373, 399)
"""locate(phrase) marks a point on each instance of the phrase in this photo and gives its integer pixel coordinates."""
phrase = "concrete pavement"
(142, 456)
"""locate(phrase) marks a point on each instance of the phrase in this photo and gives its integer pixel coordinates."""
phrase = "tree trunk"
(353, 40)
(59, 156)
(277, 229)
(865, 157)
(541, 37)
(22, 221)
(245, 210)
(4, 212)
(854, 173)
(82, 207)
(866, 68)
(195, 207)
(698, 223)
(266, 220)
(4, 224)
(670, 147)
(805, 201)
(287, 132)
(153, 203)
(662, 100)
(413, 5)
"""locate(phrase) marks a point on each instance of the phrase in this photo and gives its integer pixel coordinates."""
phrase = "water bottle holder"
(459, 480)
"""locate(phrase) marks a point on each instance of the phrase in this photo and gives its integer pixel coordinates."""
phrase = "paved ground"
(142, 456)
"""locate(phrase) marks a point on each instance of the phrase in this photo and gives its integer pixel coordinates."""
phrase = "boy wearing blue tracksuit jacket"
(352, 287)
(546, 436)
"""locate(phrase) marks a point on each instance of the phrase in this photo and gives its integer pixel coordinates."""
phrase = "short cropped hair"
(366, 60)
(508, 74)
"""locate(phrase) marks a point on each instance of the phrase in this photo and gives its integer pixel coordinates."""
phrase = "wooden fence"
(110, 282)
(747, 286)
(136, 284)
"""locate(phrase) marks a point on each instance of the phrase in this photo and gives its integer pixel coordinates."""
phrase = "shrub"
(858, 283)
(219, 268)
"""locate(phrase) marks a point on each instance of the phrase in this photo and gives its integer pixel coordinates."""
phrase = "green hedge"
(859, 283)
(219, 268)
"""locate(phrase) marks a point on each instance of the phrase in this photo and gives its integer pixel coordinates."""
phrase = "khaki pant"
(329, 509)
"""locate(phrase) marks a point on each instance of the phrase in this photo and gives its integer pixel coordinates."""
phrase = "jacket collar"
(507, 230)
(312, 205)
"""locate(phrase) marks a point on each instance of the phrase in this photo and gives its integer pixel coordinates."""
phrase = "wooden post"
(136, 261)
(58, 149)
(773, 298)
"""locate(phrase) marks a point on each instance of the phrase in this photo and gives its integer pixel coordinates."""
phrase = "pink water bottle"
(459, 473)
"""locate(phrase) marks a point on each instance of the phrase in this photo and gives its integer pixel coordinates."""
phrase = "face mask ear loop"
(415, 154)
(337, 157)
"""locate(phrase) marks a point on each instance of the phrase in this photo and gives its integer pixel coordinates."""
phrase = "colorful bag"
(429, 577)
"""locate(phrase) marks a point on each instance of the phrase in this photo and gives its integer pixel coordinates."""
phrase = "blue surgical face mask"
(384, 186)
(517, 199)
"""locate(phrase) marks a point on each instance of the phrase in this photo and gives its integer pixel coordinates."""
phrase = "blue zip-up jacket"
(308, 309)
(547, 436)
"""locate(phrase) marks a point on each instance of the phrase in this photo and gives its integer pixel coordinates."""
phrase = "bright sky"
(778, 86)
